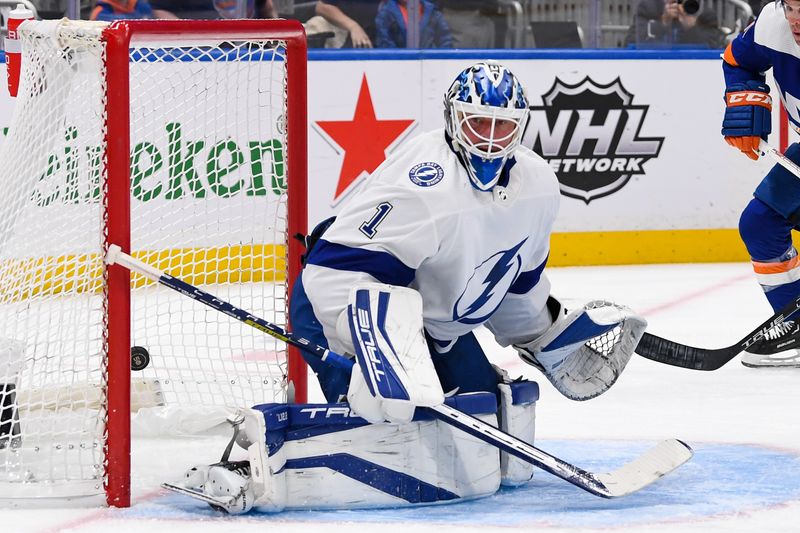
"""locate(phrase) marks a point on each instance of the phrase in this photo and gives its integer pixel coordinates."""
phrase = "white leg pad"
(517, 415)
(328, 458)
(267, 460)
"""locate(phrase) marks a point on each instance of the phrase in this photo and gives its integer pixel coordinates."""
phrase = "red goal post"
(119, 37)
(183, 142)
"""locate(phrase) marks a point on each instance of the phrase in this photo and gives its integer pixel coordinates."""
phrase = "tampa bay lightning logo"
(488, 286)
(426, 174)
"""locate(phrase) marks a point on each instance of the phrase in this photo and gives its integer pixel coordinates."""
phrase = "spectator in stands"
(470, 24)
(755, 6)
(392, 21)
(210, 9)
(108, 10)
(659, 23)
(357, 17)
(184, 9)
(258, 9)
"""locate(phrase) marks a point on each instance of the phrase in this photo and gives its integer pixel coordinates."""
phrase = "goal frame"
(118, 37)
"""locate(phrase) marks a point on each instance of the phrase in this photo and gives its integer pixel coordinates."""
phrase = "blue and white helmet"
(486, 112)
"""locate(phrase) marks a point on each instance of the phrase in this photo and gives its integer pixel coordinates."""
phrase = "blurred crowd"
(452, 23)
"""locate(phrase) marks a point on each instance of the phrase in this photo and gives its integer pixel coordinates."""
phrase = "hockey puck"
(140, 358)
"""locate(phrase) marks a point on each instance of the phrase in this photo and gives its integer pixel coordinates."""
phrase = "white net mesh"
(208, 204)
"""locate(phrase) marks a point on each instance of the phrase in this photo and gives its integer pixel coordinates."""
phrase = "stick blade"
(674, 353)
(646, 469)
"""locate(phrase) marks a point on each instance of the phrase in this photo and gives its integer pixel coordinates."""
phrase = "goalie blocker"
(322, 456)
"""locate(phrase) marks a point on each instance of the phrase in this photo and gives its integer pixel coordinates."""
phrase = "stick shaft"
(782, 160)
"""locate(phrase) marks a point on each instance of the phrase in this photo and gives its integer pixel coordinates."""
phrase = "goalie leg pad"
(517, 416)
(322, 456)
(267, 455)
(583, 354)
(396, 372)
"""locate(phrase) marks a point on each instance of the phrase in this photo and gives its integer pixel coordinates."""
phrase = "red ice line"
(105, 513)
(696, 294)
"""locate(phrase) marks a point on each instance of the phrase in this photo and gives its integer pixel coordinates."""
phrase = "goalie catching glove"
(583, 353)
(394, 372)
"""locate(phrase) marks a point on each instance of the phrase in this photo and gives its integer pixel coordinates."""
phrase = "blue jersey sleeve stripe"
(527, 280)
(382, 266)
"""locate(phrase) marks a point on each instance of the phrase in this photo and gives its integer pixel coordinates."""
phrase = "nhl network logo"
(589, 133)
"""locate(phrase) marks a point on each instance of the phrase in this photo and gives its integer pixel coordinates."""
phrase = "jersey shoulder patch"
(426, 174)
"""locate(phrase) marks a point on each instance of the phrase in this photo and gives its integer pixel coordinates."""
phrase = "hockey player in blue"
(772, 41)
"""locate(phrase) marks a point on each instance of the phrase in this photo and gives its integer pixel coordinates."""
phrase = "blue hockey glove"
(748, 117)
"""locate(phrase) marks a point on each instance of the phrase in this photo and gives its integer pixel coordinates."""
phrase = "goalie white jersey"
(476, 257)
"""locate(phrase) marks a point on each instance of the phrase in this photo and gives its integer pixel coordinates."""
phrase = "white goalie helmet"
(486, 113)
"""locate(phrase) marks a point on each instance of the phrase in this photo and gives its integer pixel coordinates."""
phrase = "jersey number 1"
(369, 227)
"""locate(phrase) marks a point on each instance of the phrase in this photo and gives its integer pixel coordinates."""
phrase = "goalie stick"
(631, 477)
(676, 354)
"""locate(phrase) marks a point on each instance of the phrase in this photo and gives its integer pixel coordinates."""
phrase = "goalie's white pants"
(320, 456)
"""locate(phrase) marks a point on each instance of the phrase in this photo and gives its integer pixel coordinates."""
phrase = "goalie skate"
(218, 504)
(224, 486)
(780, 347)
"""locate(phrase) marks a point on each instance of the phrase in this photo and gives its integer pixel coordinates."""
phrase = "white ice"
(744, 425)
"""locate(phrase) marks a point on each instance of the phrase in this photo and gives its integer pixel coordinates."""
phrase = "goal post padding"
(183, 142)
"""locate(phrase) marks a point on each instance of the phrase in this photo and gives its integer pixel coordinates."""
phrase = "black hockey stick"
(639, 473)
(674, 353)
(680, 355)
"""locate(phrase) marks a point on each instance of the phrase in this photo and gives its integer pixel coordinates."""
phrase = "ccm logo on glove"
(749, 98)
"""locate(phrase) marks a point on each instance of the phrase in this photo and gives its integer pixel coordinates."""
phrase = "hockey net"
(216, 153)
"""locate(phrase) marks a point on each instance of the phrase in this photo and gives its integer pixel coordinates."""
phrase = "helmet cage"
(498, 142)
(485, 154)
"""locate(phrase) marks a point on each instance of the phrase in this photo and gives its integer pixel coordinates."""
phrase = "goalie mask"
(486, 112)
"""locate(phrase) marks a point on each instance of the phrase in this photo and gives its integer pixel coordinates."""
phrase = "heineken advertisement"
(177, 168)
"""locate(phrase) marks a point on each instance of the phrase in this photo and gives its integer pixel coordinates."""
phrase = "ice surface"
(744, 425)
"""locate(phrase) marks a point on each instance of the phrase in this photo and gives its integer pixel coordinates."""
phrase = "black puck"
(140, 358)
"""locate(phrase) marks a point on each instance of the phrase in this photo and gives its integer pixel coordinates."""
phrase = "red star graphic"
(364, 139)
